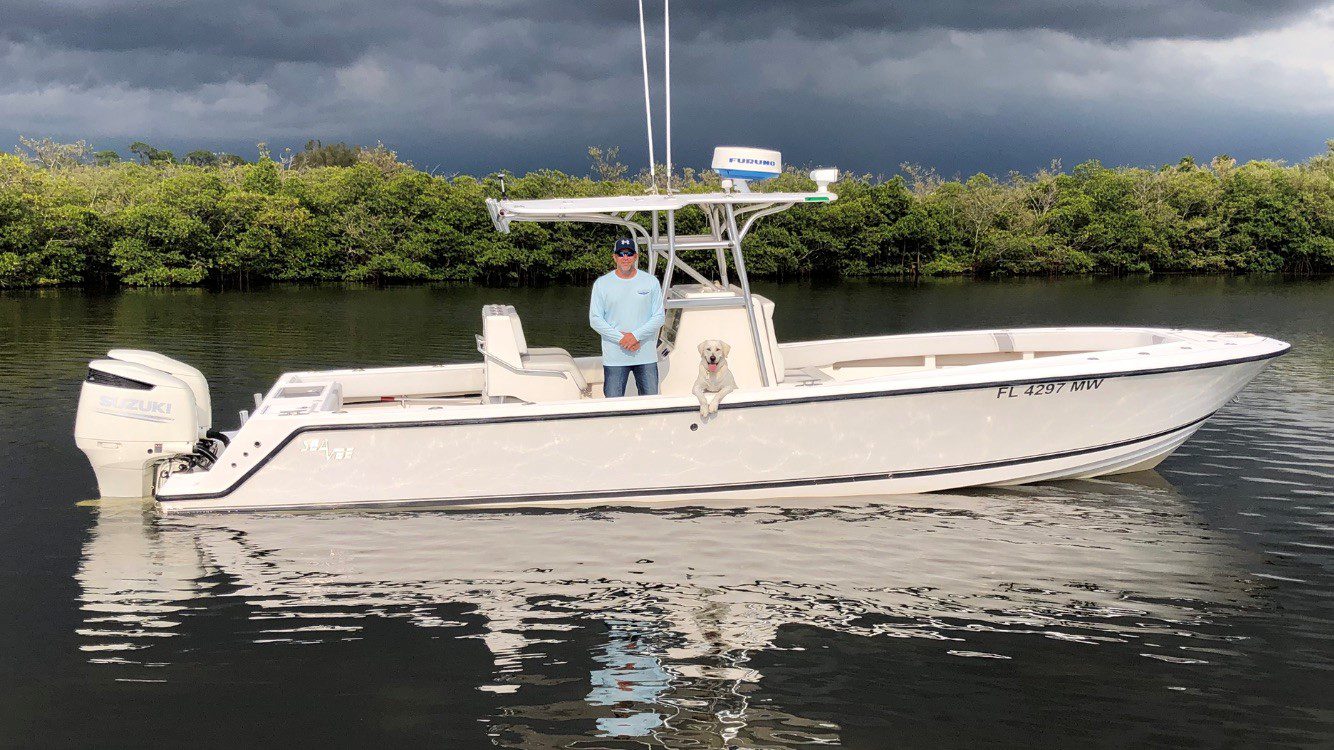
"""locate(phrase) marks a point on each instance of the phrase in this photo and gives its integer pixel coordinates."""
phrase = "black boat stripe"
(695, 489)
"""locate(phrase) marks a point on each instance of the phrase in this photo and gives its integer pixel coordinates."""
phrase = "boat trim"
(697, 489)
(684, 409)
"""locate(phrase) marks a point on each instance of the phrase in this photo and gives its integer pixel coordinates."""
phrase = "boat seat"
(521, 340)
(559, 362)
(513, 370)
(543, 357)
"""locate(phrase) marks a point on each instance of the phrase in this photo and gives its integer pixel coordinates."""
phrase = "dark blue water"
(1192, 606)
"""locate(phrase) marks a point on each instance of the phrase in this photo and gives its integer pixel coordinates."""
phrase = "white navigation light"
(744, 164)
(823, 177)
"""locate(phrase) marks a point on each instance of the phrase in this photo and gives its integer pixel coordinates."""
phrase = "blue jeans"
(614, 378)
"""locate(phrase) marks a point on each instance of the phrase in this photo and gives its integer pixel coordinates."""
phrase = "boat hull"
(874, 441)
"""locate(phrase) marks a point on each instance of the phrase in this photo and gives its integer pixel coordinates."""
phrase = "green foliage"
(316, 154)
(201, 158)
(606, 162)
(150, 155)
(49, 154)
(341, 213)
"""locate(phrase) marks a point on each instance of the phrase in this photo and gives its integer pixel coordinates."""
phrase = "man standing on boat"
(626, 312)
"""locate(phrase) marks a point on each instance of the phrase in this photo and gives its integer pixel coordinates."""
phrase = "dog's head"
(713, 353)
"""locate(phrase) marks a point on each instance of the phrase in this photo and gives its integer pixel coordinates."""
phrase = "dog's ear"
(727, 348)
(702, 344)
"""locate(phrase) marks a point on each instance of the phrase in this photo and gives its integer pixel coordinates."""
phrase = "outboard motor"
(192, 377)
(137, 410)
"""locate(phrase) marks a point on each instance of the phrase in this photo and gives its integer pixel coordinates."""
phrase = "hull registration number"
(1048, 389)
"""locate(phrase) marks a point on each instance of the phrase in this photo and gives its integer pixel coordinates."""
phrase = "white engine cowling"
(131, 418)
(192, 377)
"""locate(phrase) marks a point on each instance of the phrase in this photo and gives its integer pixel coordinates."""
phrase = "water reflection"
(635, 623)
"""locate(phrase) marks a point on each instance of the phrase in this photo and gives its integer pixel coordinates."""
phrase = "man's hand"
(629, 342)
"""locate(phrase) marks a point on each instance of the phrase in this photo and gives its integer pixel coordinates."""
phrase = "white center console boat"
(527, 425)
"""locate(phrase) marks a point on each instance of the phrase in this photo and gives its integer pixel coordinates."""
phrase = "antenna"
(648, 111)
(667, 81)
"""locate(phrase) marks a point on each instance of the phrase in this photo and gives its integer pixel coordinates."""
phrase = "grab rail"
(703, 303)
(489, 357)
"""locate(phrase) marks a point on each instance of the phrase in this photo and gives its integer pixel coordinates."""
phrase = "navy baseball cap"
(623, 245)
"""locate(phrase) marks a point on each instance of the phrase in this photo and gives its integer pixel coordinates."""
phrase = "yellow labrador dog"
(714, 377)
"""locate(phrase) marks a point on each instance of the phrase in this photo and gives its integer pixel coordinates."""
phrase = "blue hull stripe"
(745, 174)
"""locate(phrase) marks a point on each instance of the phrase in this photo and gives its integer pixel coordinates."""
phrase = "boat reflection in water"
(679, 600)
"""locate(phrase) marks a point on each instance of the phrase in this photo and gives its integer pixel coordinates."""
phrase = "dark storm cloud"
(340, 30)
(242, 40)
(480, 84)
(295, 30)
(1102, 19)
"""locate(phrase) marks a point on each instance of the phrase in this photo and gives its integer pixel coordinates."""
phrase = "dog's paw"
(703, 413)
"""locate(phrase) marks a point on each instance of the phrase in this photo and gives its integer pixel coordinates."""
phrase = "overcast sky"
(480, 85)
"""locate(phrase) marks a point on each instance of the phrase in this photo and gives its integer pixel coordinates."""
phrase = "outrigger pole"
(648, 111)
(667, 91)
(667, 81)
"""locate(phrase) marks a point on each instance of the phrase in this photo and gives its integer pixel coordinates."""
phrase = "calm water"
(1190, 607)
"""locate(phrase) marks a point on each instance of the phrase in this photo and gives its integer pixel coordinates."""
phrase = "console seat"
(513, 371)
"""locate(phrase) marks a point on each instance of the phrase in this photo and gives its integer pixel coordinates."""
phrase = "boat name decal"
(321, 445)
(1048, 389)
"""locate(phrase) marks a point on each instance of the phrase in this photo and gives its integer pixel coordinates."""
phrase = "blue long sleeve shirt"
(634, 305)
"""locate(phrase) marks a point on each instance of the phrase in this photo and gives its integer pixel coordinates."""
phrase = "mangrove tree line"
(70, 215)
